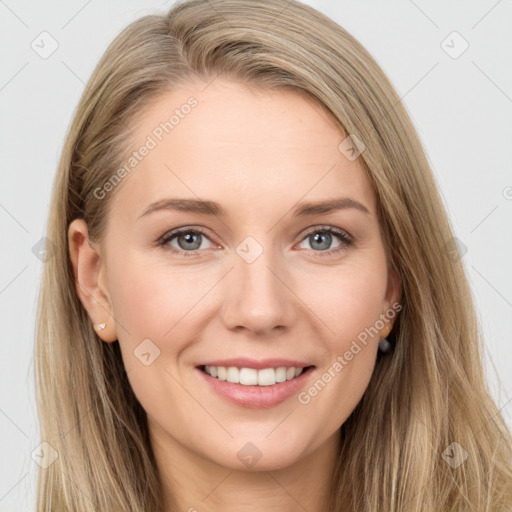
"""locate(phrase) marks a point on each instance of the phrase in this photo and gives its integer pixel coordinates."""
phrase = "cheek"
(348, 301)
(154, 300)
(349, 305)
(150, 308)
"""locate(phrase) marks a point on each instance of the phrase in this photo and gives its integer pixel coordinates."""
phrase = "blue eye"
(188, 242)
(321, 238)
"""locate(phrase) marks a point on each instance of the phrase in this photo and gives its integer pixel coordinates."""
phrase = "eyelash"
(345, 239)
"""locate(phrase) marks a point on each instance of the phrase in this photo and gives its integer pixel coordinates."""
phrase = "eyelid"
(329, 229)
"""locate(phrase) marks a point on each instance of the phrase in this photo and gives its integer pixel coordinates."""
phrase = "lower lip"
(257, 397)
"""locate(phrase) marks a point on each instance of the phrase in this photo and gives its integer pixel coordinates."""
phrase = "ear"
(393, 297)
(90, 279)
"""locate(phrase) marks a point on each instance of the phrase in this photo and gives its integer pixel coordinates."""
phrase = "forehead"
(244, 147)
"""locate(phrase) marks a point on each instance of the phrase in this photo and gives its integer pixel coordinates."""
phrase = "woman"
(251, 304)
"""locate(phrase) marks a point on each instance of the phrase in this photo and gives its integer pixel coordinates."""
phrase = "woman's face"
(257, 279)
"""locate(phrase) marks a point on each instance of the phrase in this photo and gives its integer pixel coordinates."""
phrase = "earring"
(384, 344)
(100, 327)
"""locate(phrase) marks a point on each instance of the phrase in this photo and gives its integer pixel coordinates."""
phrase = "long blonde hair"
(428, 394)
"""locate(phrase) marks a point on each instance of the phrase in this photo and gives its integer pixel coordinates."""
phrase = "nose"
(259, 297)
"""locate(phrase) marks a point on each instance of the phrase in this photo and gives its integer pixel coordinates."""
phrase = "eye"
(185, 241)
(321, 239)
(188, 241)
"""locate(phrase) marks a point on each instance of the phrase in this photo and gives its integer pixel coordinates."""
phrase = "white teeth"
(248, 376)
(267, 377)
(233, 375)
(281, 374)
(252, 377)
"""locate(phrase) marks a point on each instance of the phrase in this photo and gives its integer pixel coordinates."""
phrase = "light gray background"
(461, 107)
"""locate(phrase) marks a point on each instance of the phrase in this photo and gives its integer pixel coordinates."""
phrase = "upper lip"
(244, 362)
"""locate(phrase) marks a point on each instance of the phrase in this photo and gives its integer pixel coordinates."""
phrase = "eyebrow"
(206, 207)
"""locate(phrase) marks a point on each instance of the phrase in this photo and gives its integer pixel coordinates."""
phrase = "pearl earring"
(384, 343)
(384, 346)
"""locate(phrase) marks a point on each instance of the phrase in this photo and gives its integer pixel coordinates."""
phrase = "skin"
(257, 153)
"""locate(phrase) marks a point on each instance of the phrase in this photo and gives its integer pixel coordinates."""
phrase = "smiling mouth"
(253, 377)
